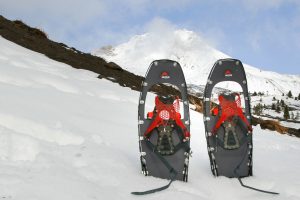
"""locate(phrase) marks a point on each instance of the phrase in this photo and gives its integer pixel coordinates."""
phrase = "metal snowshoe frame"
(237, 160)
(175, 166)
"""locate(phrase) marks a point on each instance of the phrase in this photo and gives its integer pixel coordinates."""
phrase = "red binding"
(229, 110)
(164, 113)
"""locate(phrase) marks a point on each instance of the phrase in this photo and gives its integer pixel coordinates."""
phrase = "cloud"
(260, 5)
(78, 21)
(159, 25)
(138, 6)
(75, 12)
(255, 40)
(62, 20)
(80, 11)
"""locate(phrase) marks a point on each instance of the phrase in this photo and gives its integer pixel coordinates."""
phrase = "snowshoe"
(163, 133)
(228, 127)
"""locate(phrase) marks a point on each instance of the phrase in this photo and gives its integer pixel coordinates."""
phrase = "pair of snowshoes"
(164, 133)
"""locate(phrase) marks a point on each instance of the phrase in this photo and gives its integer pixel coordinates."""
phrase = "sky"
(262, 33)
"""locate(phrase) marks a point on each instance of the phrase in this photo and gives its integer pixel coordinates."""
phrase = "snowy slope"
(267, 100)
(66, 135)
(195, 56)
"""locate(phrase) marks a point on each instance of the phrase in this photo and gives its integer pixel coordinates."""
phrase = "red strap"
(150, 115)
(181, 125)
(229, 110)
(164, 113)
(215, 111)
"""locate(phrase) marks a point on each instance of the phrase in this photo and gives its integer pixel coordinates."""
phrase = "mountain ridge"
(195, 56)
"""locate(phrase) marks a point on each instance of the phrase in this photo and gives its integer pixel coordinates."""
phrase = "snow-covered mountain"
(195, 56)
(67, 135)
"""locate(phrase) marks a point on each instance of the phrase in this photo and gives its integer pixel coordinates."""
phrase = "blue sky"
(262, 33)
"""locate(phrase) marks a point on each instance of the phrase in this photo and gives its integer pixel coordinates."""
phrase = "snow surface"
(195, 56)
(66, 135)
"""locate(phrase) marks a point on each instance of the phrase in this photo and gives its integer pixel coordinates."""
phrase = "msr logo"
(228, 73)
(165, 75)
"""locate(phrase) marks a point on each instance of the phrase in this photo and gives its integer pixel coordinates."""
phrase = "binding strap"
(172, 171)
(235, 171)
(229, 110)
(164, 113)
(252, 188)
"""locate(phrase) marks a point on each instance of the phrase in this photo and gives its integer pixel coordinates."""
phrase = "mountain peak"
(194, 54)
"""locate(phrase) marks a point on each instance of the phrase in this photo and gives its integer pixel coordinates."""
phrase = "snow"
(290, 124)
(196, 57)
(268, 101)
(64, 134)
